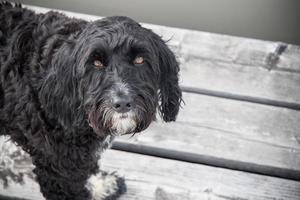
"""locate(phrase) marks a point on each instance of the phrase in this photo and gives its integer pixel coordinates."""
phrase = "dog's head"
(117, 73)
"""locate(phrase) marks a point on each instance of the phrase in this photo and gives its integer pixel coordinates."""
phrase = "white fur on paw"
(102, 186)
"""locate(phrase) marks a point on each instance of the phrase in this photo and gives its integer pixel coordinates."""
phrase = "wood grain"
(245, 81)
(163, 179)
(290, 59)
(278, 126)
(152, 178)
(247, 52)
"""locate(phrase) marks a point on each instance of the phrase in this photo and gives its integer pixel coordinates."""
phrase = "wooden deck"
(236, 138)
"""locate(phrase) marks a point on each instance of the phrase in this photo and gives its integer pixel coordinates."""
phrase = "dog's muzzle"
(123, 118)
(117, 116)
(123, 123)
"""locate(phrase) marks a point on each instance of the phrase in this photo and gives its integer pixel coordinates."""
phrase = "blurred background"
(276, 20)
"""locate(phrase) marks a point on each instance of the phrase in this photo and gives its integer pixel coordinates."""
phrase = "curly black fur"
(54, 102)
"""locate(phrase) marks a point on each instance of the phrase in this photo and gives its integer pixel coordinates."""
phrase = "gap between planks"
(227, 95)
(207, 160)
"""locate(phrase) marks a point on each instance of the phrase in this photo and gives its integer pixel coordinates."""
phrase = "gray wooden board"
(241, 135)
(163, 179)
(290, 59)
(190, 44)
(278, 126)
(149, 177)
(229, 64)
(241, 80)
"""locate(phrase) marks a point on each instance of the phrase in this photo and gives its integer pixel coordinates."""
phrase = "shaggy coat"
(58, 79)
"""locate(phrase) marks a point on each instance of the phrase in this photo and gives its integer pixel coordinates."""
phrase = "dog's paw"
(105, 186)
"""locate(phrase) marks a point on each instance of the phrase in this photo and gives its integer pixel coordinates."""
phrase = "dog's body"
(69, 86)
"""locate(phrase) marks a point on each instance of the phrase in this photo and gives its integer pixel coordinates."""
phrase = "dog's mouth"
(110, 122)
(123, 123)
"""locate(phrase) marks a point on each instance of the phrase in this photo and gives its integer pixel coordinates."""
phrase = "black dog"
(68, 86)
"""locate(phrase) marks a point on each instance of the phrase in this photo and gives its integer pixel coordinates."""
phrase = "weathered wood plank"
(290, 59)
(246, 81)
(278, 126)
(154, 178)
(149, 177)
(249, 52)
(29, 190)
(227, 133)
(225, 48)
(212, 147)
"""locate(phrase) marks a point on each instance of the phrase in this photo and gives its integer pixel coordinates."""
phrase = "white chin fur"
(123, 123)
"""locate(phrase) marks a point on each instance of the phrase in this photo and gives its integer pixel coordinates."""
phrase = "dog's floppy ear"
(170, 92)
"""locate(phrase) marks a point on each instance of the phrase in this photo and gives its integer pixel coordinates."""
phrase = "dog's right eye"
(98, 64)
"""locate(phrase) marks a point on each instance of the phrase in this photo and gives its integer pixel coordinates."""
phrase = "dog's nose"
(123, 104)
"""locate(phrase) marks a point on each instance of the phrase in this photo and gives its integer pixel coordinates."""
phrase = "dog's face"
(121, 73)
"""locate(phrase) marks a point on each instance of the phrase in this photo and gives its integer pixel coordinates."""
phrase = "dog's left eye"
(138, 60)
(98, 64)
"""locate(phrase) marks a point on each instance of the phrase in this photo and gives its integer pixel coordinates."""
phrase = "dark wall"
(277, 20)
